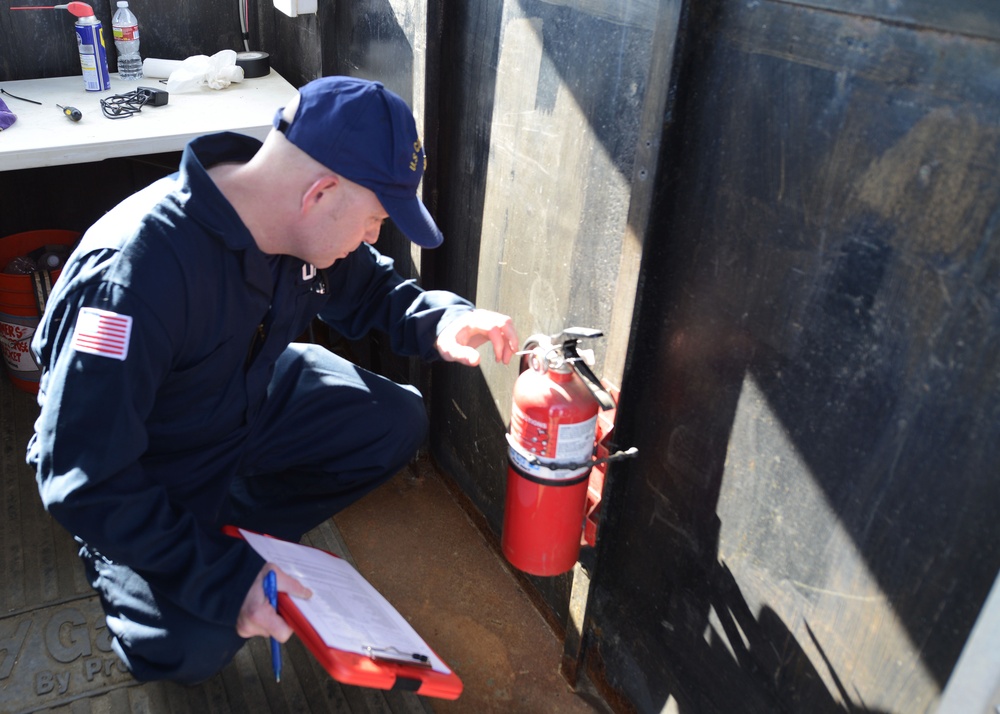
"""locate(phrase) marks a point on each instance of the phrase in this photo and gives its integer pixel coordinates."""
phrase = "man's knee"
(154, 638)
(187, 655)
(408, 422)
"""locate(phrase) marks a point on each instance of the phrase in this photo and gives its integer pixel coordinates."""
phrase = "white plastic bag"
(215, 72)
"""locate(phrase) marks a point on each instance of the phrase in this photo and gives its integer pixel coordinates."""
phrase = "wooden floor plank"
(14, 597)
(317, 688)
(216, 701)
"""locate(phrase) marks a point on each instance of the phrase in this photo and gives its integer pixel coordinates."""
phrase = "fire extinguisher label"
(530, 433)
(575, 442)
(540, 452)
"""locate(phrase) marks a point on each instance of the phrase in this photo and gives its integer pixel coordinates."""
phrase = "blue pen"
(271, 590)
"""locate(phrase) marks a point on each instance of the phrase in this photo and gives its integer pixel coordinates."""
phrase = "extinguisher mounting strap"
(568, 465)
(629, 453)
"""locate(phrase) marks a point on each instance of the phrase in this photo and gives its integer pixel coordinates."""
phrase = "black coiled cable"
(123, 106)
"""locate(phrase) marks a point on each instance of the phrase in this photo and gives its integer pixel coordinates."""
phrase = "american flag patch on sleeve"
(102, 333)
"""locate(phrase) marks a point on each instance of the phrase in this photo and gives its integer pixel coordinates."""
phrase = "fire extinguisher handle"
(575, 361)
(580, 333)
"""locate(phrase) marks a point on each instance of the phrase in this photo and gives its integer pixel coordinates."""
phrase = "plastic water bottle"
(125, 28)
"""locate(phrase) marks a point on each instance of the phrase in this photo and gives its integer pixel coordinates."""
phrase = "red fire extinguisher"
(553, 428)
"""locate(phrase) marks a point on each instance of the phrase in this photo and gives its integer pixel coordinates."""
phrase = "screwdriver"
(72, 112)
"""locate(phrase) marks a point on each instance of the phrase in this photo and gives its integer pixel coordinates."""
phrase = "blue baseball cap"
(365, 133)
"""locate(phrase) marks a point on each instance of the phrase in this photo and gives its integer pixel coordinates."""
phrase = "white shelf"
(44, 136)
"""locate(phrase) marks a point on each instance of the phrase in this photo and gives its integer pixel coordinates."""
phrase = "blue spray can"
(90, 39)
(93, 53)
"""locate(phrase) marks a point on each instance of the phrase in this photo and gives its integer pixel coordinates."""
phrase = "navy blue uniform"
(173, 401)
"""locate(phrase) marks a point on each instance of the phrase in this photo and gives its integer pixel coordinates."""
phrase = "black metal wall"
(814, 378)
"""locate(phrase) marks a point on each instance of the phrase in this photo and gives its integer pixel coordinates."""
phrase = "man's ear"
(317, 190)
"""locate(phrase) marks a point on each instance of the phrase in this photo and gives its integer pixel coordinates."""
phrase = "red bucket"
(18, 308)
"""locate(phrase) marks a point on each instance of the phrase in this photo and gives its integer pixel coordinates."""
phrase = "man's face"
(351, 216)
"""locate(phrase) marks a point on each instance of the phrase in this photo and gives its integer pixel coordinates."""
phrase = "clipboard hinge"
(397, 656)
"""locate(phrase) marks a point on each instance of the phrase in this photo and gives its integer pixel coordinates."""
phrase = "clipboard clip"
(397, 656)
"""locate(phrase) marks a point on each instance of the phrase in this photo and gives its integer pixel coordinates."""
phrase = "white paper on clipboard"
(345, 610)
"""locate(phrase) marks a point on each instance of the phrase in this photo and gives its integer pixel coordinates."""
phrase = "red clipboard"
(375, 671)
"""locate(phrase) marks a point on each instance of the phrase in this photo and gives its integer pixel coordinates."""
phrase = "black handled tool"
(72, 112)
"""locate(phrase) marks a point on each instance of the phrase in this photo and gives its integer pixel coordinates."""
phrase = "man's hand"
(257, 617)
(459, 340)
